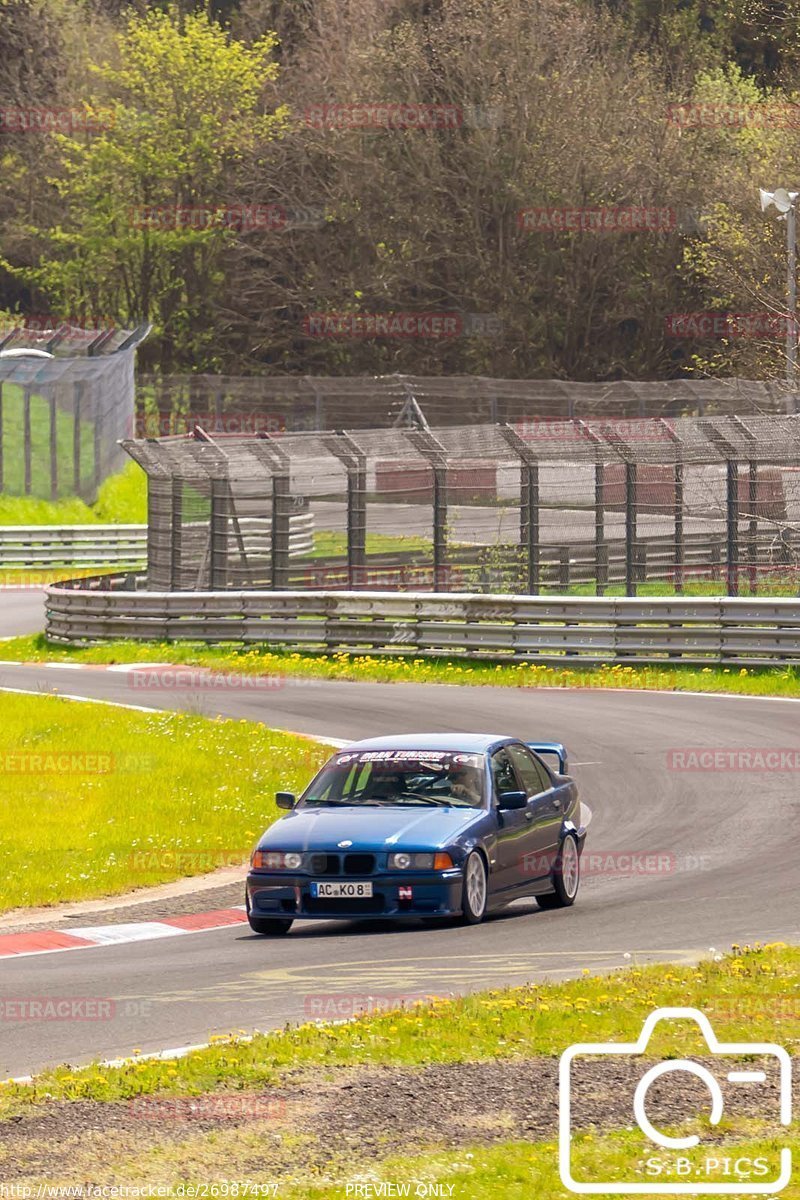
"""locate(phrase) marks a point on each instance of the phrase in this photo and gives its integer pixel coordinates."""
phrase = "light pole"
(786, 204)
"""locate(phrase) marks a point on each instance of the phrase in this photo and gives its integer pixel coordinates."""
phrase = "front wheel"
(475, 895)
(566, 877)
(270, 925)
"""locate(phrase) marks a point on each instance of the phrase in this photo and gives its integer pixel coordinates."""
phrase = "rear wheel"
(566, 877)
(475, 895)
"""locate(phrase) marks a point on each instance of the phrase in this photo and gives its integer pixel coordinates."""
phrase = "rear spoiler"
(557, 749)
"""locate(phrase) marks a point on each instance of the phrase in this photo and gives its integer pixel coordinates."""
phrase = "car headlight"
(420, 862)
(276, 860)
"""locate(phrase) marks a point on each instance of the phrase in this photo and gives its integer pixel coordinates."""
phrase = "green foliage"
(177, 111)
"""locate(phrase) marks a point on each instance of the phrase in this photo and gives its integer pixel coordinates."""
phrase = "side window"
(503, 776)
(532, 774)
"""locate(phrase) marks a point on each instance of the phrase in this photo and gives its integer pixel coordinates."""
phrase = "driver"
(465, 782)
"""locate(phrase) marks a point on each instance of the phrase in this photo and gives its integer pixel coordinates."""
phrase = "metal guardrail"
(565, 630)
(124, 545)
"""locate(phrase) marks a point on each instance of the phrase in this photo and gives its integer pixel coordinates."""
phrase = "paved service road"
(725, 845)
(21, 611)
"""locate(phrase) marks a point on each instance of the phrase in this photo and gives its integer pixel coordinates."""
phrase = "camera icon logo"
(676, 1171)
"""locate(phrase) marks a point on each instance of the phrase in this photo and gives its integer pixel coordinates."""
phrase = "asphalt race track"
(726, 843)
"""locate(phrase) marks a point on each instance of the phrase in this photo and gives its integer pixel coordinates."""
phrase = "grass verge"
(121, 499)
(261, 660)
(132, 799)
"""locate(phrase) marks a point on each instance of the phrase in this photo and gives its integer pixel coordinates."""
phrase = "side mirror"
(509, 800)
(285, 799)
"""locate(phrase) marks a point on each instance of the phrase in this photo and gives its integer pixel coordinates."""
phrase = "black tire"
(564, 891)
(270, 926)
(475, 894)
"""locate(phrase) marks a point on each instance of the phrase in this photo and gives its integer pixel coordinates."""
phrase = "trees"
(144, 224)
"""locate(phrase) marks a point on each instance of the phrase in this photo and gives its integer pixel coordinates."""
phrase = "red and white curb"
(49, 941)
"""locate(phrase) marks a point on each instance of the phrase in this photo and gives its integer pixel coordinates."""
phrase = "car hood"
(369, 828)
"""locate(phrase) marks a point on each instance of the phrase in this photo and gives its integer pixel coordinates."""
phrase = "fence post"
(53, 443)
(630, 528)
(281, 514)
(77, 418)
(678, 499)
(343, 446)
(176, 535)
(528, 506)
(26, 436)
(732, 525)
(599, 507)
(220, 497)
(752, 548)
(435, 453)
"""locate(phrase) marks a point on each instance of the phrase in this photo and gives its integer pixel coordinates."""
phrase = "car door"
(543, 812)
(513, 826)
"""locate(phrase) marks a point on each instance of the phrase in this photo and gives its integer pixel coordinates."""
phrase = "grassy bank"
(784, 681)
(131, 799)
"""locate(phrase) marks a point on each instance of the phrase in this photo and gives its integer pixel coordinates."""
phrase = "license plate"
(340, 891)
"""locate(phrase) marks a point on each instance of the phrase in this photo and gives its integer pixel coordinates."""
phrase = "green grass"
(140, 799)
(261, 660)
(328, 544)
(525, 1170)
(121, 499)
(13, 445)
(752, 994)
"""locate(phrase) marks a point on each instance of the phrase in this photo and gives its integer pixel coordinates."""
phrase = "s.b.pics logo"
(672, 1143)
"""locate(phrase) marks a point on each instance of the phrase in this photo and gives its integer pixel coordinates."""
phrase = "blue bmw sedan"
(427, 825)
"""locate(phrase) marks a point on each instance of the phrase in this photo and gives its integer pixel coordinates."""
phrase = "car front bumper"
(433, 894)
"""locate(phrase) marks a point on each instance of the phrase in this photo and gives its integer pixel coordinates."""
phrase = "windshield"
(381, 778)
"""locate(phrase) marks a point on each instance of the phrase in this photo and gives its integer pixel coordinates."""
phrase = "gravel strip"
(367, 1113)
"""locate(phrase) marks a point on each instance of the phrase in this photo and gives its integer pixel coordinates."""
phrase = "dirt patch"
(366, 1113)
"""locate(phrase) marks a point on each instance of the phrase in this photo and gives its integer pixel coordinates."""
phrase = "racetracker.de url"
(135, 1191)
